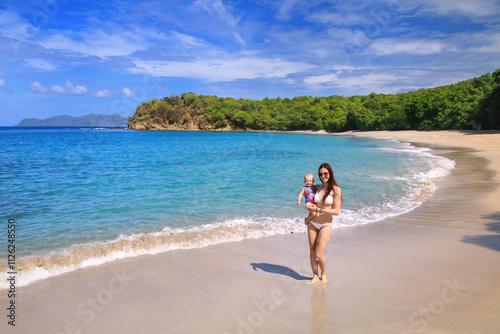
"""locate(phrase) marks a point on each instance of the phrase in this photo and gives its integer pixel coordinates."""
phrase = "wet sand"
(433, 270)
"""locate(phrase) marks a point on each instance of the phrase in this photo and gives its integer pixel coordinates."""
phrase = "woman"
(328, 200)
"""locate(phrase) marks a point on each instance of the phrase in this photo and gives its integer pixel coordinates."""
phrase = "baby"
(308, 192)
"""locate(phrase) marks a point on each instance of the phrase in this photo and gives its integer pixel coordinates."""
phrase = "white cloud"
(75, 90)
(57, 89)
(337, 19)
(103, 93)
(221, 18)
(188, 41)
(14, 26)
(98, 42)
(361, 84)
(213, 70)
(285, 9)
(40, 64)
(105, 47)
(240, 39)
(387, 46)
(2, 84)
(308, 45)
(216, 8)
(128, 92)
(37, 87)
(372, 80)
(490, 42)
(476, 8)
(321, 79)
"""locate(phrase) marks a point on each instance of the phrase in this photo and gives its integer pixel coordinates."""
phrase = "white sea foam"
(439, 166)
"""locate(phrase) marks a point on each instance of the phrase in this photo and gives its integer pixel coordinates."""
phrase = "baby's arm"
(300, 196)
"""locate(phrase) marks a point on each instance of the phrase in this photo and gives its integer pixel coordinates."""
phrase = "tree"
(242, 119)
(488, 111)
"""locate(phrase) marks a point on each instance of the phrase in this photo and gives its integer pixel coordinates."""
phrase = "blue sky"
(79, 57)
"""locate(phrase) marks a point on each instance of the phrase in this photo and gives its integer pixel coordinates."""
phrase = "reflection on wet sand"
(319, 306)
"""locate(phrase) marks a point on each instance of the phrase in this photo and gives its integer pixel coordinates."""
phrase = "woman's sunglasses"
(321, 174)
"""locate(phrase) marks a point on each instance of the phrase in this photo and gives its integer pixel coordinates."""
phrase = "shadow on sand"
(488, 241)
(280, 270)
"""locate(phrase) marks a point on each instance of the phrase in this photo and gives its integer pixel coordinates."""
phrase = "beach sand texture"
(435, 269)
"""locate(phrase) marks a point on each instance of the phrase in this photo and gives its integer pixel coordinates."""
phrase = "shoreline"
(443, 258)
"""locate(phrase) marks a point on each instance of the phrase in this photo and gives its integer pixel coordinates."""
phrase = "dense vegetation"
(446, 107)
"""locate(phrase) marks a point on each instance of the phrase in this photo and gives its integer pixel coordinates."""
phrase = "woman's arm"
(337, 203)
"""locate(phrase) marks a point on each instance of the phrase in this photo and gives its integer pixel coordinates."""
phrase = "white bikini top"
(328, 200)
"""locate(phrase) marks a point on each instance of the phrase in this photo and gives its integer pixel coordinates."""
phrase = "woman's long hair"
(331, 181)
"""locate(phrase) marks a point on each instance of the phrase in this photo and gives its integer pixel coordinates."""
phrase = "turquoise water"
(87, 196)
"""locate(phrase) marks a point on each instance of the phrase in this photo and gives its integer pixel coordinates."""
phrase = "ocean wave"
(404, 147)
(439, 165)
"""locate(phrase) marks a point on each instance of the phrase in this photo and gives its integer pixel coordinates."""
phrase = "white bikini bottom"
(320, 226)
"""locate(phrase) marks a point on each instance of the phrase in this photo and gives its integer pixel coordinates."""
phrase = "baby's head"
(309, 180)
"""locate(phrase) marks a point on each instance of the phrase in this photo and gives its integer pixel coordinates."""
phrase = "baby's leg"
(308, 219)
(312, 214)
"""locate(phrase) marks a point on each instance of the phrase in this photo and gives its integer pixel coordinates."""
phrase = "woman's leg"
(321, 241)
(313, 235)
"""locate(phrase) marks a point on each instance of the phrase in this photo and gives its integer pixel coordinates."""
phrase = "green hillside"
(445, 107)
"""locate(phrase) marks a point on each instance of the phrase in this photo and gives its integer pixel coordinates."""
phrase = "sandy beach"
(435, 269)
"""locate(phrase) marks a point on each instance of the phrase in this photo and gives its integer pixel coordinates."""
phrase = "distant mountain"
(89, 120)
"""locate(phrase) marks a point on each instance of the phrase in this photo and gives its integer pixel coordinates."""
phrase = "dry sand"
(433, 270)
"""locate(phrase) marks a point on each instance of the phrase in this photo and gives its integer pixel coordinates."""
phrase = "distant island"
(91, 120)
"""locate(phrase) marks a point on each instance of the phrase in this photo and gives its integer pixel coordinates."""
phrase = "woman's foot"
(323, 279)
(314, 280)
